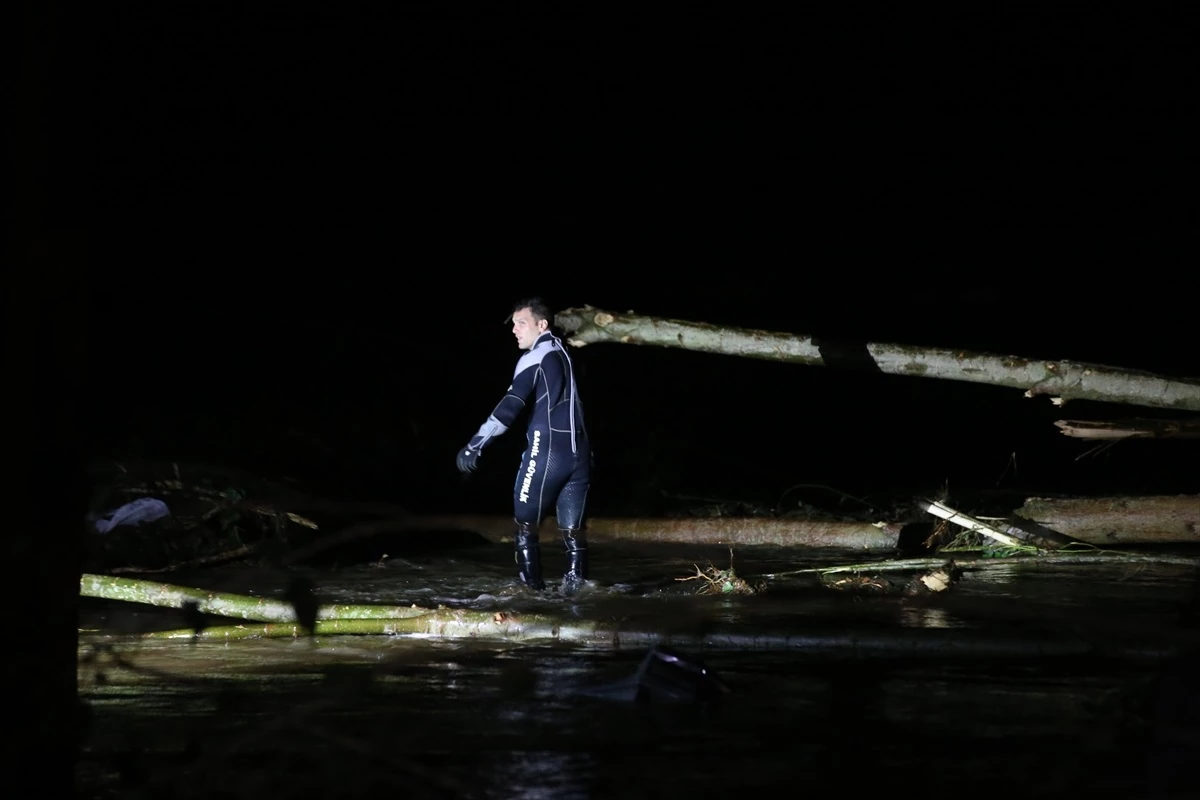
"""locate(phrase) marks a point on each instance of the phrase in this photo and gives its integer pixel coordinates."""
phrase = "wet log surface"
(1166, 519)
(701, 530)
(1097, 521)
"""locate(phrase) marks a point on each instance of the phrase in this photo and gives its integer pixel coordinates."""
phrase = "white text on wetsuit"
(534, 449)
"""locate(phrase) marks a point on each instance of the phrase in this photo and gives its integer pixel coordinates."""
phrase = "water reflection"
(542, 775)
(928, 617)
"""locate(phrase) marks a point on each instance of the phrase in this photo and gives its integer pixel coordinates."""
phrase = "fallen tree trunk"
(785, 532)
(1131, 429)
(226, 604)
(1061, 380)
(1088, 521)
(1131, 520)
(749, 531)
(907, 643)
(1166, 519)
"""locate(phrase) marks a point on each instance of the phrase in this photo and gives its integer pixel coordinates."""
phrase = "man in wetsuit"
(555, 468)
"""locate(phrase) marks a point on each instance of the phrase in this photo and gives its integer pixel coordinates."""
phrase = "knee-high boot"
(575, 542)
(528, 555)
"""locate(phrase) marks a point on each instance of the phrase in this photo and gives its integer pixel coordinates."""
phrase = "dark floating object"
(301, 593)
(665, 676)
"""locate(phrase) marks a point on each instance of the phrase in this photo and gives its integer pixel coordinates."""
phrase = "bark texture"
(1164, 519)
(1106, 521)
(457, 624)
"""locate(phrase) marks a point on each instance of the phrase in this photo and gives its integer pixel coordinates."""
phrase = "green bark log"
(512, 627)
(902, 643)
(239, 606)
(440, 623)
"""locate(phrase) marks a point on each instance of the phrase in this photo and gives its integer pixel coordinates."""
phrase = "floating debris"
(722, 581)
(862, 584)
(934, 581)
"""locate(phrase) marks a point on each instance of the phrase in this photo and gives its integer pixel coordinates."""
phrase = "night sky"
(308, 224)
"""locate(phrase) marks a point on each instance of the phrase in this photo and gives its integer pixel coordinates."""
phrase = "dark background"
(299, 227)
(308, 223)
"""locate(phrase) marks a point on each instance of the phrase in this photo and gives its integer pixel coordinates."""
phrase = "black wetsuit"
(555, 468)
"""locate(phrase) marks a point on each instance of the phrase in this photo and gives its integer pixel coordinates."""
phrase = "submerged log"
(906, 643)
(1061, 380)
(1166, 519)
(508, 625)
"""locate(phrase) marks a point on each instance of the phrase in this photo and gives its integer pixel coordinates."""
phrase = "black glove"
(466, 459)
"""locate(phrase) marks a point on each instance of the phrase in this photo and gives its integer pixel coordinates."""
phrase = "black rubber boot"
(575, 541)
(528, 556)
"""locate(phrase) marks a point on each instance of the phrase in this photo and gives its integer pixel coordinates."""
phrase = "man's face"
(526, 328)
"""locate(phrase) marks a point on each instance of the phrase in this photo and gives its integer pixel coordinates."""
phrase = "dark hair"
(536, 305)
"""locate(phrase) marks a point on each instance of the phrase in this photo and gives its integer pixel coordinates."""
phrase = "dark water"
(1034, 678)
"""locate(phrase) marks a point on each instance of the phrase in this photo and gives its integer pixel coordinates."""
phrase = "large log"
(1060, 380)
(906, 643)
(276, 620)
(1130, 520)
(227, 604)
(1165, 519)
